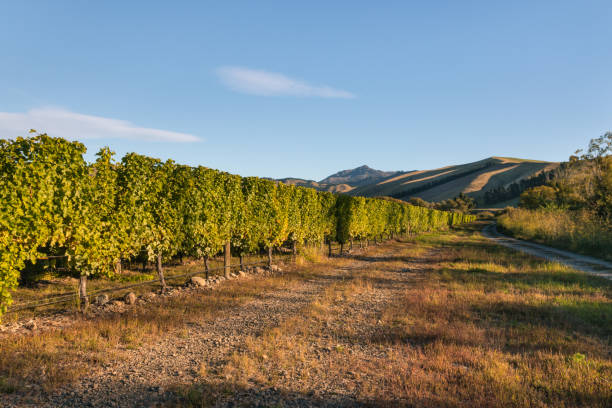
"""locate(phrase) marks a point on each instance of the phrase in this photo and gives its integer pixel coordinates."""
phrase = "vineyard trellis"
(95, 214)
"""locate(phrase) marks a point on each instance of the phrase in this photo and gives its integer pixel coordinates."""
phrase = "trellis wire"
(68, 298)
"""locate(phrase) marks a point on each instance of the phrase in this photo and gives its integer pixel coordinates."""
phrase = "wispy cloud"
(77, 126)
(265, 83)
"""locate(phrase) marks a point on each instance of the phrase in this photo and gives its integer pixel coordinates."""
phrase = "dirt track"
(145, 376)
(583, 263)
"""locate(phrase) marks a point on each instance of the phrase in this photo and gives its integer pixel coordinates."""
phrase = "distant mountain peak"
(358, 176)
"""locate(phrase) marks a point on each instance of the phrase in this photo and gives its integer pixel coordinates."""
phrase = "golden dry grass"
(577, 231)
(54, 285)
(445, 319)
(502, 171)
(55, 357)
(475, 325)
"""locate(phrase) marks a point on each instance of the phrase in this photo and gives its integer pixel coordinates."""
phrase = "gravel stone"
(130, 298)
(102, 299)
(197, 281)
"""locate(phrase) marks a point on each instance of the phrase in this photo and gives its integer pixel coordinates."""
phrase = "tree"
(419, 202)
(538, 197)
(600, 164)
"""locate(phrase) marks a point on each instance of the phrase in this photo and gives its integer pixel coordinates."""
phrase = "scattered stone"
(275, 268)
(197, 281)
(130, 298)
(259, 270)
(102, 299)
(241, 273)
(30, 325)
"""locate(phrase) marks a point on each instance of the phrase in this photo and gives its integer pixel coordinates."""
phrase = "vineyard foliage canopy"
(54, 202)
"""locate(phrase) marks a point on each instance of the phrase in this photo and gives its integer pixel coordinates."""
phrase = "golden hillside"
(447, 182)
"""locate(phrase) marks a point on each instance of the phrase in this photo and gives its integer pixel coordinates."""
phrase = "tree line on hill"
(582, 183)
(502, 193)
(462, 203)
(97, 214)
(573, 210)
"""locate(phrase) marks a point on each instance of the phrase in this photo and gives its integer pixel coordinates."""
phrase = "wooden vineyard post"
(242, 261)
(227, 259)
(294, 249)
(206, 265)
(270, 256)
(160, 273)
(84, 300)
(329, 247)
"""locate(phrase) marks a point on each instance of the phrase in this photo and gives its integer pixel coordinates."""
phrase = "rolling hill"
(472, 179)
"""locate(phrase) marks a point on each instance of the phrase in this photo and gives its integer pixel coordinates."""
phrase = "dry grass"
(446, 319)
(56, 357)
(50, 285)
(53, 285)
(496, 329)
(577, 231)
(479, 325)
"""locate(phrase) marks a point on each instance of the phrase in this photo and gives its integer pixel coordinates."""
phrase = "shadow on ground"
(232, 395)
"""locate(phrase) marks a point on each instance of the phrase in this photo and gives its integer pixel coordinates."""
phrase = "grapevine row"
(99, 213)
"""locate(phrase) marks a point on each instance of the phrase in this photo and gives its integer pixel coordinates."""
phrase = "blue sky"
(305, 89)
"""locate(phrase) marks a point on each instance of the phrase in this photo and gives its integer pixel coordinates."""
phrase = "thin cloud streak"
(77, 126)
(265, 83)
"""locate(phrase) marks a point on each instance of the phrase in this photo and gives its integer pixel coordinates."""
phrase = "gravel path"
(323, 376)
(143, 377)
(583, 263)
